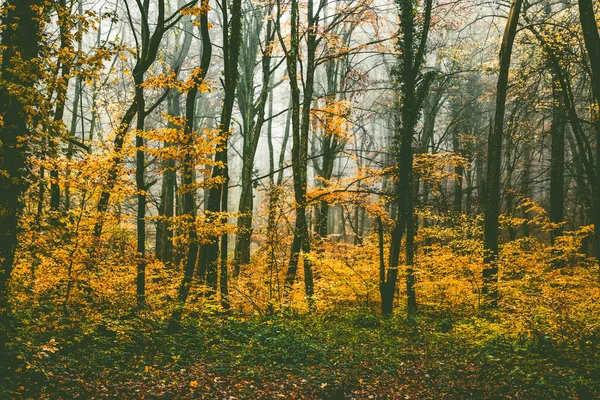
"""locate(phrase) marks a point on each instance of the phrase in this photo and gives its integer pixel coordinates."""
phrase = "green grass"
(325, 356)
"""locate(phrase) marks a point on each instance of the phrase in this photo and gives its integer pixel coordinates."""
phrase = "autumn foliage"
(297, 200)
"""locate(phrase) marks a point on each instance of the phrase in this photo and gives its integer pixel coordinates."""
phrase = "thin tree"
(217, 195)
(189, 167)
(492, 195)
(147, 44)
(253, 119)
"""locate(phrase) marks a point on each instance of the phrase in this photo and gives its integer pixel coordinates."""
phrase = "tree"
(412, 88)
(592, 44)
(189, 167)
(300, 129)
(253, 119)
(164, 229)
(210, 256)
(62, 83)
(21, 36)
(148, 44)
(318, 27)
(494, 160)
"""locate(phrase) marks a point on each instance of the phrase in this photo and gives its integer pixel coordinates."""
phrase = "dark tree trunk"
(330, 146)
(224, 273)
(557, 159)
(149, 51)
(20, 39)
(509, 194)
(232, 31)
(592, 45)
(61, 99)
(255, 118)
(300, 134)
(459, 172)
(147, 55)
(526, 181)
(73, 128)
(189, 166)
(494, 160)
(413, 89)
(578, 142)
(141, 194)
(164, 235)
(274, 194)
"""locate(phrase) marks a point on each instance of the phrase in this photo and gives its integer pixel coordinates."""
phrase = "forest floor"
(335, 355)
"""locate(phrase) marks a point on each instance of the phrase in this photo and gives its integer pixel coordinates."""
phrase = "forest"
(299, 199)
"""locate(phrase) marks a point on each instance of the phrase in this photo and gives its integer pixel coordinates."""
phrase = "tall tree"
(217, 196)
(592, 44)
(189, 168)
(557, 157)
(412, 89)
(253, 119)
(300, 127)
(494, 159)
(148, 42)
(164, 229)
(21, 36)
(62, 82)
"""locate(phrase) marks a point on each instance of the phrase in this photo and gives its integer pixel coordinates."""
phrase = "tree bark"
(300, 124)
(557, 159)
(141, 195)
(21, 38)
(189, 167)
(232, 36)
(61, 99)
(254, 121)
(592, 44)
(494, 159)
(147, 54)
(413, 87)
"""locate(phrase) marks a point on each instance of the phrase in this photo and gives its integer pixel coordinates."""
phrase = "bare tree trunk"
(252, 132)
(164, 235)
(492, 207)
(300, 134)
(61, 99)
(592, 45)
(189, 167)
(141, 195)
(146, 57)
(459, 172)
(232, 31)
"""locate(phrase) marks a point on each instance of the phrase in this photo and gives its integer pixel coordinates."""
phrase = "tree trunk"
(148, 53)
(61, 99)
(164, 235)
(141, 194)
(413, 88)
(459, 172)
(20, 39)
(592, 45)
(189, 167)
(300, 134)
(232, 31)
(251, 138)
(492, 204)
